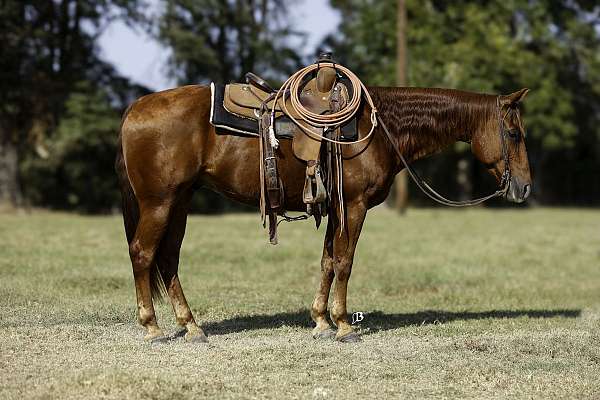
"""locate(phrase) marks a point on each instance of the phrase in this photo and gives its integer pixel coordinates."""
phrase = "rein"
(432, 194)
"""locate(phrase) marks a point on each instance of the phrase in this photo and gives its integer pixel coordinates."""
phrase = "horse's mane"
(427, 118)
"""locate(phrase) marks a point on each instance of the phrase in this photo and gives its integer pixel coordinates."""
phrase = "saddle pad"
(234, 124)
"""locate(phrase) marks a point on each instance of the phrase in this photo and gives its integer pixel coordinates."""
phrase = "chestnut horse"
(168, 148)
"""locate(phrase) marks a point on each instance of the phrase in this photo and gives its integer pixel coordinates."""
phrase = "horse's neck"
(423, 128)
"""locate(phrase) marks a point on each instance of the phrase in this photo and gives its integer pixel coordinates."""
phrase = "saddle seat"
(317, 94)
(246, 100)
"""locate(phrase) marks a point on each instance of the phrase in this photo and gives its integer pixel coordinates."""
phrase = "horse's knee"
(327, 265)
(342, 268)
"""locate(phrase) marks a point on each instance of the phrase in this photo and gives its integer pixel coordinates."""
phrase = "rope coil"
(291, 90)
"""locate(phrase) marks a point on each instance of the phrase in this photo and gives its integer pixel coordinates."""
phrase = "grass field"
(457, 304)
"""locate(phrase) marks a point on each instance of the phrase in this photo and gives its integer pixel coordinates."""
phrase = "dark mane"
(423, 118)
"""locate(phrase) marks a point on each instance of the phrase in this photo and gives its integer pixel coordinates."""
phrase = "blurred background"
(70, 67)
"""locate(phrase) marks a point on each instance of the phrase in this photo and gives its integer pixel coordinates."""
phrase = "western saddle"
(261, 110)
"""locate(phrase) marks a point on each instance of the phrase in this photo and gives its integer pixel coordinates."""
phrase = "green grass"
(468, 304)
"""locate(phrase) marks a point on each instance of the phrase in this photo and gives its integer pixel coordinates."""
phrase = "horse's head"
(500, 145)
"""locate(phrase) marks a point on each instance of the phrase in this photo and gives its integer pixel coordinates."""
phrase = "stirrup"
(318, 194)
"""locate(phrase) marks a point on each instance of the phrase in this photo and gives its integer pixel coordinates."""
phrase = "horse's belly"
(233, 170)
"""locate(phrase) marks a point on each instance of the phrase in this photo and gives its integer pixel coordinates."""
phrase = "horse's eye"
(514, 134)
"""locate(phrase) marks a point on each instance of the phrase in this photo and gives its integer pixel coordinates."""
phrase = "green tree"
(77, 173)
(221, 40)
(48, 46)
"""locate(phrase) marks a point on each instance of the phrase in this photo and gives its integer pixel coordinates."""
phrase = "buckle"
(505, 178)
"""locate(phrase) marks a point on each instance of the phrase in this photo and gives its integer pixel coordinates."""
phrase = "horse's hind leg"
(168, 263)
(152, 224)
(319, 306)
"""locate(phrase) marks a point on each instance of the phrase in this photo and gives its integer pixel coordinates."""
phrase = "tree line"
(60, 103)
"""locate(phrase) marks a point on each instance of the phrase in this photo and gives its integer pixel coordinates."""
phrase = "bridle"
(431, 193)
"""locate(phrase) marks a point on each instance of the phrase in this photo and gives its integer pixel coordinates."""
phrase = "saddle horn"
(326, 76)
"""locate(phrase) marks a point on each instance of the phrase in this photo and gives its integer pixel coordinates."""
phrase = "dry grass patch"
(469, 304)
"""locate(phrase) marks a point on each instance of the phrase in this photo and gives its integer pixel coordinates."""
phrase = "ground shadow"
(376, 321)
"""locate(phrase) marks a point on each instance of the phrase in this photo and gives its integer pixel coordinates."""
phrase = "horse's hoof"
(197, 337)
(351, 337)
(324, 334)
(155, 336)
(158, 339)
(179, 334)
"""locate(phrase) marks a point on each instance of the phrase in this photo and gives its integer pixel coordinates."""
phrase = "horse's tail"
(131, 213)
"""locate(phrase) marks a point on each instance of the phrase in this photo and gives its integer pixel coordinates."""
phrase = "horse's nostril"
(526, 191)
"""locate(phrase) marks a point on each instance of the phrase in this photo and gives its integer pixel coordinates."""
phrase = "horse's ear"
(514, 98)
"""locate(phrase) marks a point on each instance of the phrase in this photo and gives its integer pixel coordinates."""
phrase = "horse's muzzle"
(518, 191)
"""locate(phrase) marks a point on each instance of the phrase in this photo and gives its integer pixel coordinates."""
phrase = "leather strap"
(259, 82)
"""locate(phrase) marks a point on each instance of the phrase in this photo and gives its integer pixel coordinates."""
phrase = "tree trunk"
(10, 190)
(463, 177)
(401, 182)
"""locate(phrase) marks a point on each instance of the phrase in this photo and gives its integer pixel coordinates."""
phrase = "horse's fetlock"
(184, 319)
(337, 314)
(146, 317)
(319, 306)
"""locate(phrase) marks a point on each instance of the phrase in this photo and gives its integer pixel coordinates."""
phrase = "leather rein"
(431, 193)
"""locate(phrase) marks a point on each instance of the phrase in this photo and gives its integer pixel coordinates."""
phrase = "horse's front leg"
(319, 306)
(343, 256)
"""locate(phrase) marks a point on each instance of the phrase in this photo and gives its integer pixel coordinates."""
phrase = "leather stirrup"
(314, 188)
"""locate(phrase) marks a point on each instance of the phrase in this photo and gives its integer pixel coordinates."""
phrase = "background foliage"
(60, 104)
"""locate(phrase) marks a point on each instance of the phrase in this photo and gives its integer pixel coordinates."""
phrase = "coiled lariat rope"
(291, 90)
(317, 123)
